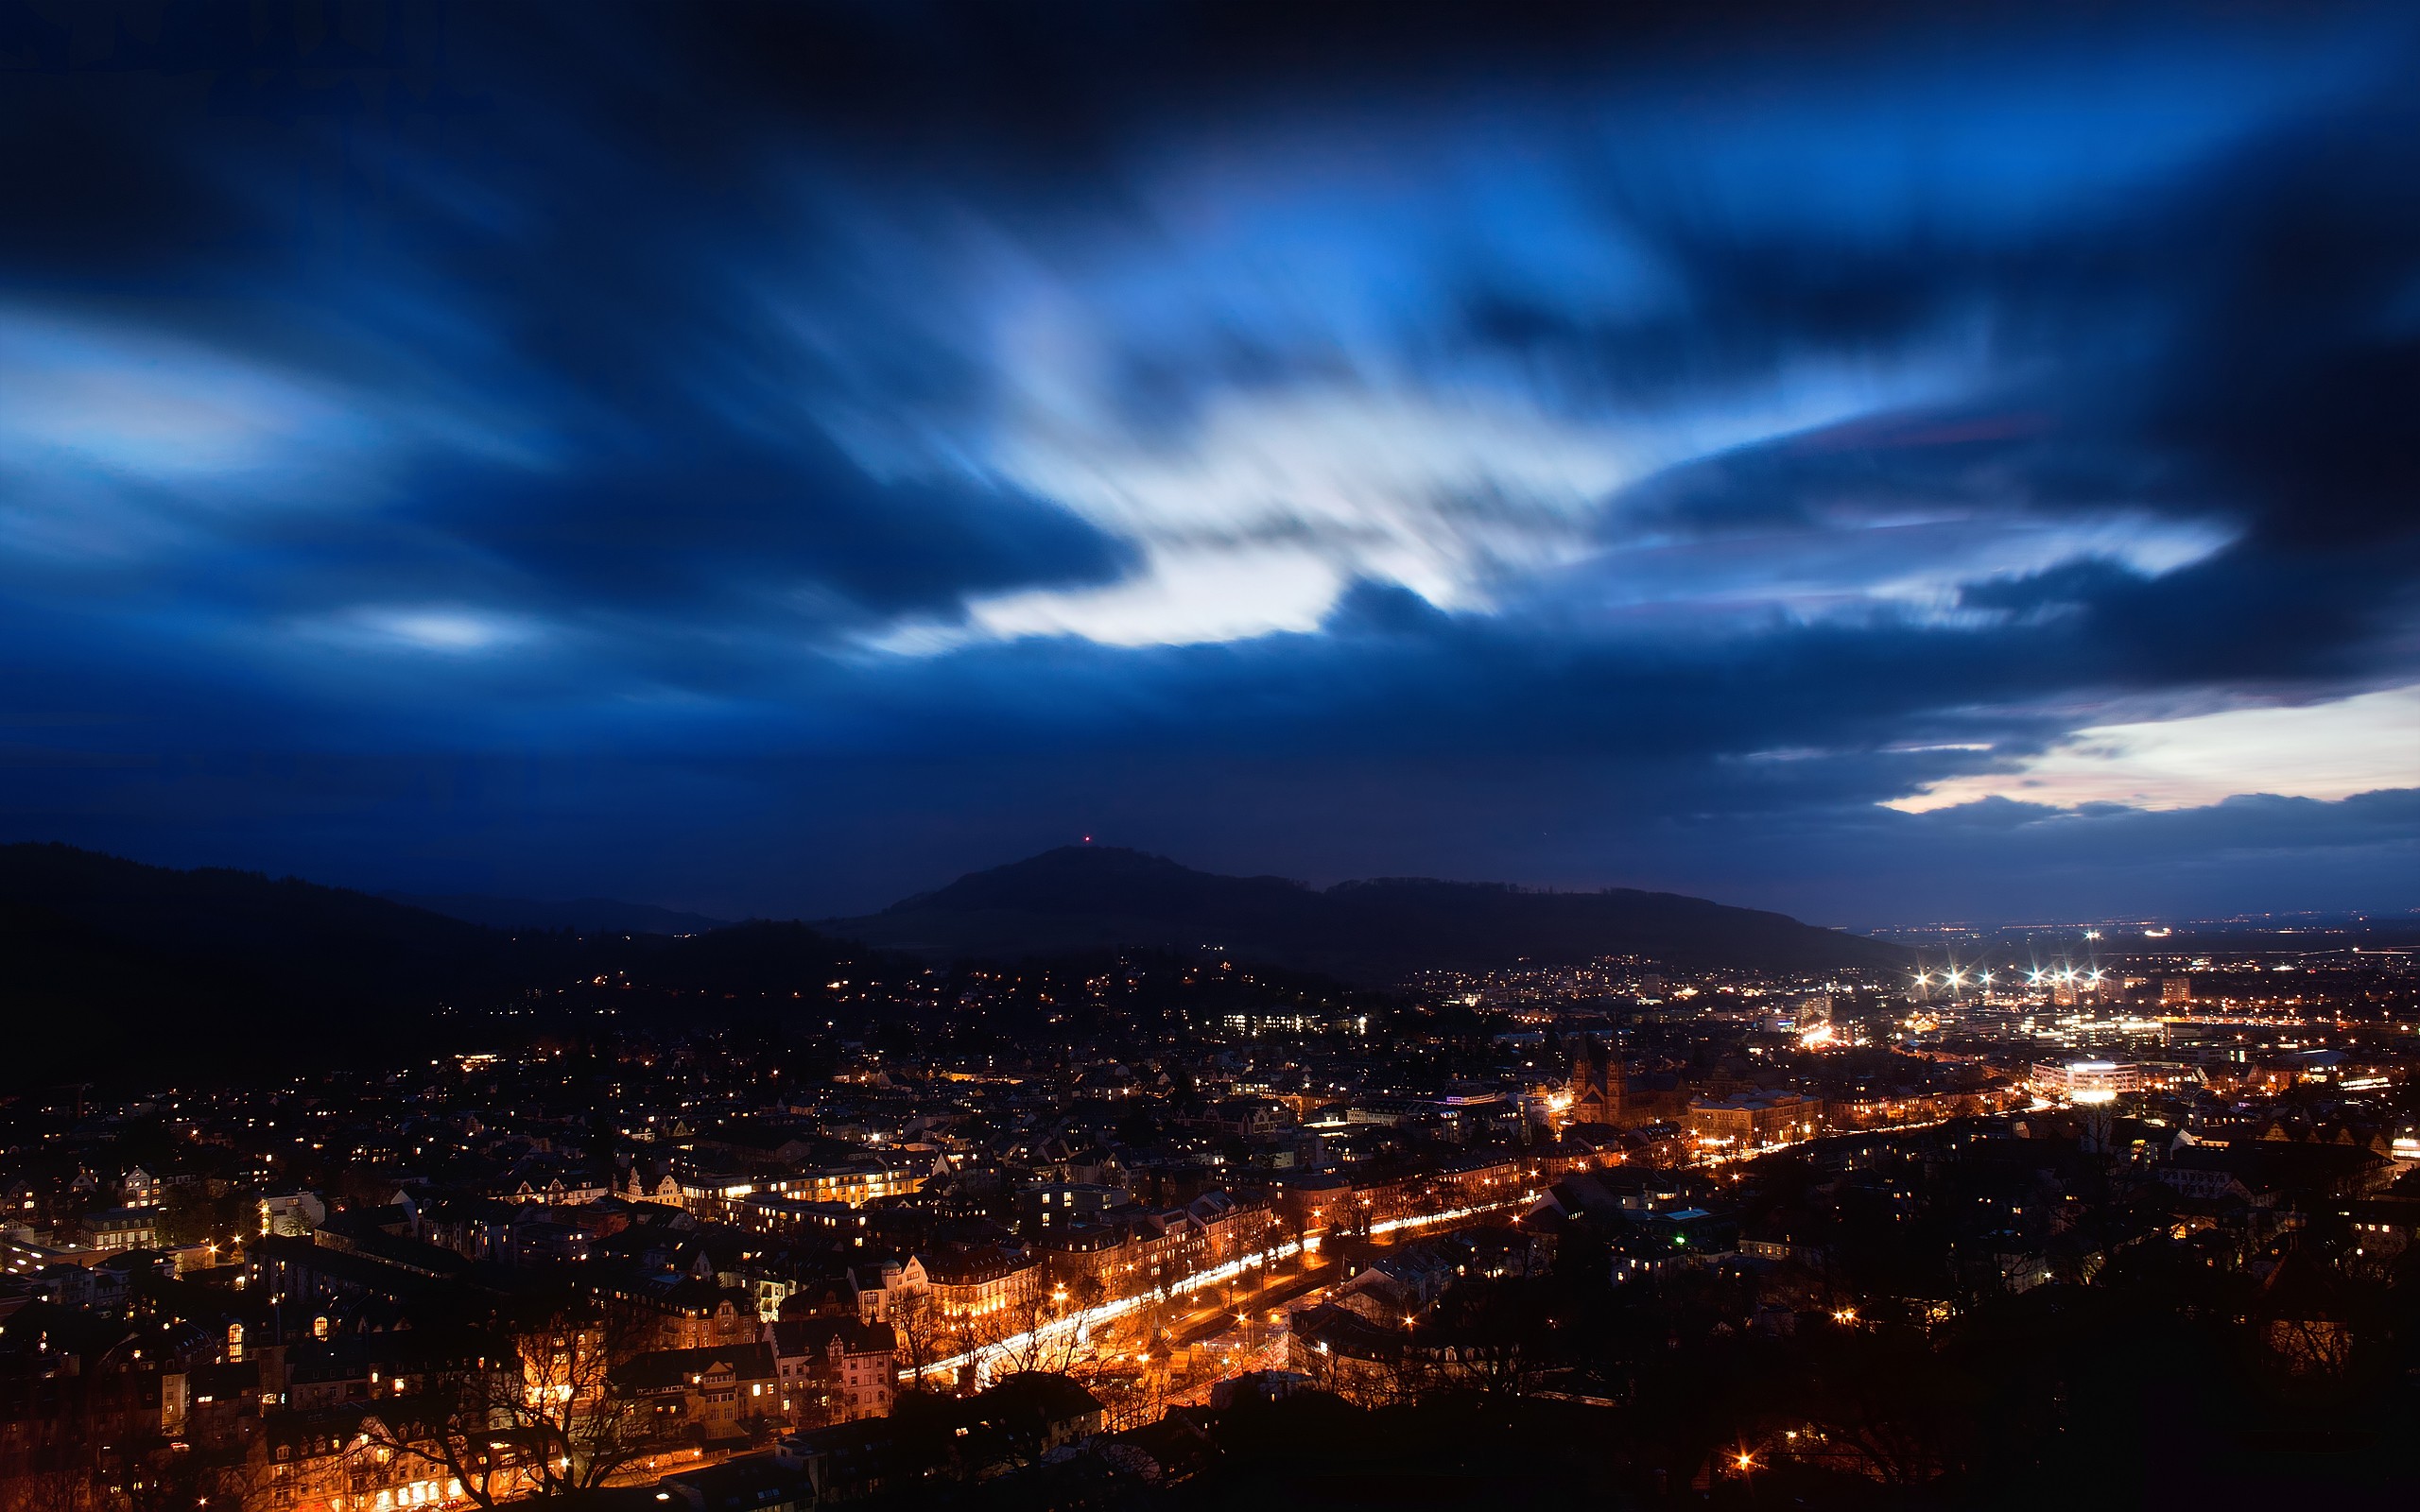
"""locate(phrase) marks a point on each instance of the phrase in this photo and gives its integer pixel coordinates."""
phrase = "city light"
(1356, 697)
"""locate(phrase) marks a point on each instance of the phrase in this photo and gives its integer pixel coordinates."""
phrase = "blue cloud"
(1567, 448)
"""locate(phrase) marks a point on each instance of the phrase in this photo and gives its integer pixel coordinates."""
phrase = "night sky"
(769, 461)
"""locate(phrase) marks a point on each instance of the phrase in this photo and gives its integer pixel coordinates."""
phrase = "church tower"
(1599, 1088)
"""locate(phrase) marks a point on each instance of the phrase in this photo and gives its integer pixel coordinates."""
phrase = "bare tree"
(921, 1337)
(53, 1490)
(540, 1416)
(154, 1477)
(1034, 1333)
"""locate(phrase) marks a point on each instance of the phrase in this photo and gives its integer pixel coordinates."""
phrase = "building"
(890, 1289)
(2211, 1173)
(1231, 1227)
(761, 1212)
(720, 1392)
(292, 1214)
(861, 1179)
(1600, 1086)
(1752, 1119)
(122, 1228)
(1482, 1180)
(2385, 1226)
(751, 1483)
(335, 1457)
(556, 1191)
(1045, 1205)
(1020, 1418)
(979, 1281)
(1250, 1117)
(835, 1369)
(2087, 1081)
(662, 1187)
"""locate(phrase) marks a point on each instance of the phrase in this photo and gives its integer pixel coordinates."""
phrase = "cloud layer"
(770, 459)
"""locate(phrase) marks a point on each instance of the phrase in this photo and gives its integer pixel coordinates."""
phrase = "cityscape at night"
(1116, 757)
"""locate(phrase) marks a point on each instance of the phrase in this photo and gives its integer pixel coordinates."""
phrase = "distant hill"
(585, 916)
(112, 962)
(1086, 898)
(109, 970)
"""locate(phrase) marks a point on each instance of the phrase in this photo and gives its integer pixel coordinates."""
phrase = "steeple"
(1600, 1086)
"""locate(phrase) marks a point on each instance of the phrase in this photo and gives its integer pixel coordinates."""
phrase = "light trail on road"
(1389, 1226)
(983, 1356)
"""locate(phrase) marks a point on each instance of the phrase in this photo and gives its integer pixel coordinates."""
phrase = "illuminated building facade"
(1754, 1120)
(2085, 1081)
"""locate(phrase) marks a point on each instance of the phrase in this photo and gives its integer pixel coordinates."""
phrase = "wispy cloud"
(2323, 751)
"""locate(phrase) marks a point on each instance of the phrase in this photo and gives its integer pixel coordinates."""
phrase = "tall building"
(2176, 989)
(1599, 1087)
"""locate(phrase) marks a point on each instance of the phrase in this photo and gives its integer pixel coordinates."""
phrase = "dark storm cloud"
(1553, 445)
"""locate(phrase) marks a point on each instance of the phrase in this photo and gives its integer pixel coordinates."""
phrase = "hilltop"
(1086, 897)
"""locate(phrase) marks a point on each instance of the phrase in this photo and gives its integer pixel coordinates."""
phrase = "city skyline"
(973, 756)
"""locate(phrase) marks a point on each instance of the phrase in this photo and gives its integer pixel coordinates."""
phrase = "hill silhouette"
(581, 915)
(1086, 897)
(117, 970)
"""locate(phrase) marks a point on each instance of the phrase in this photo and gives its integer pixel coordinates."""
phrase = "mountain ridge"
(1080, 898)
(116, 968)
(582, 916)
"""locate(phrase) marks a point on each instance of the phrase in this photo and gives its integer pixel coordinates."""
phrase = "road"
(1209, 1322)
